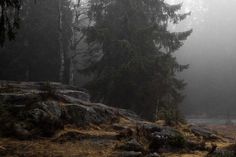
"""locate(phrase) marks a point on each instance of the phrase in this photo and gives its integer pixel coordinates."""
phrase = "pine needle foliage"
(137, 68)
(9, 19)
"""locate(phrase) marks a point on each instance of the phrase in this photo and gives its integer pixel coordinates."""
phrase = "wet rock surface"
(64, 116)
(205, 133)
(127, 154)
(153, 155)
(131, 145)
(37, 109)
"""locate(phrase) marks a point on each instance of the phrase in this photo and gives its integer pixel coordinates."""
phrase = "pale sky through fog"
(211, 53)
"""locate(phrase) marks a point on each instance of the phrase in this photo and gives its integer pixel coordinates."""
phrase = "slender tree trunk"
(71, 73)
(60, 40)
(27, 74)
(73, 44)
(157, 110)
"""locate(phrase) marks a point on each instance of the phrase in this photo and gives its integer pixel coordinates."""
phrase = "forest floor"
(102, 143)
(54, 120)
(227, 133)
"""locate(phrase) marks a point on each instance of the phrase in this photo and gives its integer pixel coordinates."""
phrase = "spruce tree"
(136, 68)
(9, 19)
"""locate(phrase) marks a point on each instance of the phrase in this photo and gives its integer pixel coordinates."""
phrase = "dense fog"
(117, 78)
(74, 43)
(211, 53)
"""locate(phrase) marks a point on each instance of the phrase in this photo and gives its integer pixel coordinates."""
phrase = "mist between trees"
(121, 51)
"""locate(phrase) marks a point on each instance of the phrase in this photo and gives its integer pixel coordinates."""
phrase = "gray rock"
(78, 114)
(129, 114)
(45, 107)
(165, 132)
(82, 115)
(70, 136)
(14, 99)
(46, 113)
(148, 128)
(37, 115)
(21, 132)
(132, 145)
(73, 136)
(222, 153)
(205, 133)
(119, 127)
(192, 145)
(153, 155)
(125, 133)
(52, 107)
(127, 154)
(167, 138)
(76, 94)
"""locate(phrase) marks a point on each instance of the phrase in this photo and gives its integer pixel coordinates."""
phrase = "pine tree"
(136, 68)
(9, 19)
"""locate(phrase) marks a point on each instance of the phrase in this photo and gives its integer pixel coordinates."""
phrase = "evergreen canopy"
(9, 19)
(136, 69)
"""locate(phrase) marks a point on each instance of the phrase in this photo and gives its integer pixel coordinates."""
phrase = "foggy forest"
(117, 78)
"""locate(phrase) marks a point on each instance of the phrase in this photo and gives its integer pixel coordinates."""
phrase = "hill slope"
(54, 120)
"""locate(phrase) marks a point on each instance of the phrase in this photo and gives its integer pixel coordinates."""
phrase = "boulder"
(131, 145)
(153, 155)
(18, 98)
(44, 118)
(129, 114)
(74, 136)
(76, 94)
(146, 129)
(167, 138)
(78, 114)
(82, 115)
(221, 153)
(125, 133)
(34, 119)
(41, 109)
(21, 132)
(3, 151)
(69, 136)
(191, 145)
(205, 133)
(119, 127)
(127, 154)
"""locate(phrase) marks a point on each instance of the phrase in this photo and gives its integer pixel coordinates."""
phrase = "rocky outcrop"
(73, 136)
(65, 114)
(163, 138)
(203, 132)
(40, 109)
(131, 145)
(127, 154)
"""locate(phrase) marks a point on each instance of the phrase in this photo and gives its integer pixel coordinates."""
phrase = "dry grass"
(46, 148)
(96, 144)
(228, 131)
(193, 154)
(224, 143)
